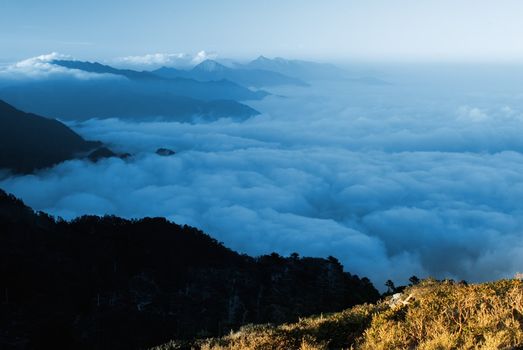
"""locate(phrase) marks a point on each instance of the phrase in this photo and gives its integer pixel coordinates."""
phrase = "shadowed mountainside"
(81, 100)
(110, 283)
(29, 142)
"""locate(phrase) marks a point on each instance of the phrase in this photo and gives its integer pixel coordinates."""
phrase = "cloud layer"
(157, 60)
(41, 67)
(394, 180)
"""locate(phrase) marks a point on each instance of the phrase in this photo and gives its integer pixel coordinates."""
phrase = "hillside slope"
(111, 283)
(29, 141)
(431, 316)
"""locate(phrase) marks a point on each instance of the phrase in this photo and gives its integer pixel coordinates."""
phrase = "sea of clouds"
(423, 176)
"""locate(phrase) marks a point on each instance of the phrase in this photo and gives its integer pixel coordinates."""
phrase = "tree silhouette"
(414, 280)
(390, 286)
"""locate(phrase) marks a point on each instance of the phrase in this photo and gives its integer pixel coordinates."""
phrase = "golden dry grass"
(439, 316)
(452, 316)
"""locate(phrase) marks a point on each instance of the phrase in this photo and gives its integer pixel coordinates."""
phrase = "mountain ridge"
(175, 83)
(210, 70)
(72, 100)
(307, 70)
(107, 282)
(29, 142)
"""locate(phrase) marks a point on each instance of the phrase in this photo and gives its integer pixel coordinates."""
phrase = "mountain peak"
(262, 58)
(210, 66)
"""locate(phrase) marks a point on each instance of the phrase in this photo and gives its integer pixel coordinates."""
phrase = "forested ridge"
(111, 283)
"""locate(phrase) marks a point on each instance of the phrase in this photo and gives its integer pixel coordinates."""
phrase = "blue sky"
(335, 29)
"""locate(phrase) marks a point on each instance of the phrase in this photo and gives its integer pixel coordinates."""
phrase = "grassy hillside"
(431, 315)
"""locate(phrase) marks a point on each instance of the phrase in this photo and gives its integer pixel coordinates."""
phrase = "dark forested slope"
(29, 141)
(110, 283)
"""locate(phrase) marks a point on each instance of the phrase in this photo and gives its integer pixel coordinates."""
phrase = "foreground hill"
(110, 283)
(29, 141)
(431, 316)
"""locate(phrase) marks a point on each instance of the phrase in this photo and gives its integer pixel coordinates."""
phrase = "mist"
(420, 176)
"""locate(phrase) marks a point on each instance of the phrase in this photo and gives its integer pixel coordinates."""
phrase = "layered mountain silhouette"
(298, 68)
(29, 141)
(81, 100)
(210, 70)
(129, 94)
(95, 67)
(310, 71)
(212, 90)
(111, 283)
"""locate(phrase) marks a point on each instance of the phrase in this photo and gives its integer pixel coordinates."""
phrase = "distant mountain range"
(130, 95)
(29, 142)
(210, 70)
(310, 71)
(266, 72)
(98, 98)
(297, 68)
(207, 90)
(95, 67)
(111, 283)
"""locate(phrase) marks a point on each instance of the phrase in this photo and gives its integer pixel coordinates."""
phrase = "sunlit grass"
(438, 316)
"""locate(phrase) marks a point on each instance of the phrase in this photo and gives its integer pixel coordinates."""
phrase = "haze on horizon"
(336, 30)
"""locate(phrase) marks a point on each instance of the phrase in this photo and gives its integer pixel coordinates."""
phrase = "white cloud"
(472, 114)
(156, 60)
(202, 56)
(41, 67)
